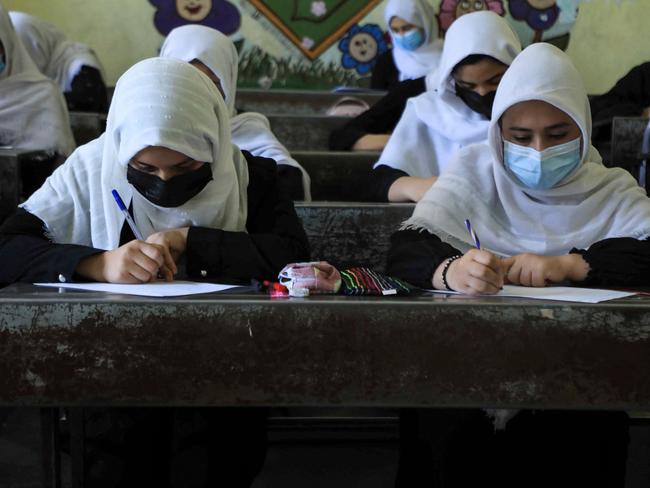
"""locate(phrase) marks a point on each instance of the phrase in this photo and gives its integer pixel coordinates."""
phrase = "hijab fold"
(158, 102)
(437, 123)
(55, 56)
(418, 63)
(33, 114)
(251, 131)
(591, 204)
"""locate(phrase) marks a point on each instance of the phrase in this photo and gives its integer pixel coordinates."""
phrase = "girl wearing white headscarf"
(221, 211)
(72, 65)
(538, 197)
(32, 110)
(416, 47)
(250, 131)
(453, 113)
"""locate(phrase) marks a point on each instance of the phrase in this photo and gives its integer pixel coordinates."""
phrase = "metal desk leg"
(77, 448)
(51, 452)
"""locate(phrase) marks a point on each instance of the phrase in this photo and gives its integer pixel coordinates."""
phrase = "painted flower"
(450, 10)
(318, 9)
(307, 42)
(540, 15)
(361, 47)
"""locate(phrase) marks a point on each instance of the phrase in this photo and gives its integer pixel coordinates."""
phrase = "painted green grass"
(256, 64)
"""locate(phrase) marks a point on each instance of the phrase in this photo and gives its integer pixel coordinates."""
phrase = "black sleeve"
(290, 181)
(617, 262)
(381, 118)
(88, 92)
(27, 255)
(275, 235)
(380, 180)
(415, 255)
(384, 73)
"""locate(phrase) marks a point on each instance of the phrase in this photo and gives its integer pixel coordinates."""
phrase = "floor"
(328, 460)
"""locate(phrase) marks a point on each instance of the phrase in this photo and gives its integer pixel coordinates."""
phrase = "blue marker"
(127, 216)
(473, 234)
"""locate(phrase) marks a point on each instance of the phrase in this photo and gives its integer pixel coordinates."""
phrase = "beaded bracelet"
(446, 268)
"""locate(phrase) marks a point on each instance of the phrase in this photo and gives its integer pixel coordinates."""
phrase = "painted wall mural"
(219, 14)
(314, 25)
(326, 43)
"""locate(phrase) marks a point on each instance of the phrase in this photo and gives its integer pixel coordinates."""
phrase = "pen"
(127, 216)
(473, 234)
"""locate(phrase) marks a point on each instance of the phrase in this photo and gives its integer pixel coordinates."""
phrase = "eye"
(146, 168)
(478, 5)
(522, 139)
(558, 135)
(464, 5)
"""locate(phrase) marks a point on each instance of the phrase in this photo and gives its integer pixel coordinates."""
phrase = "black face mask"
(173, 192)
(481, 104)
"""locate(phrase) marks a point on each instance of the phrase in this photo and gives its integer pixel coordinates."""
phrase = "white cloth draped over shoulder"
(58, 58)
(158, 102)
(437, 123)
(593, 203)
(251, 131)
(418, 63)
(33, 114)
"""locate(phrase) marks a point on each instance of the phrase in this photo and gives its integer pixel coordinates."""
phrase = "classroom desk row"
(298, 102)
(69, 348)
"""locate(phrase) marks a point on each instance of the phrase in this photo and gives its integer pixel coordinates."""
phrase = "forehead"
(535, 114)
(483, 70)
(397, 22)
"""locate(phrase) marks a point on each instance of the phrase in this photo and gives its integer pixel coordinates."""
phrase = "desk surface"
(84, 348)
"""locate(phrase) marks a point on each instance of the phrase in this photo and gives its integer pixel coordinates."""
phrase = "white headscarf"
(55, 56)
(591, 204)
(33, 114)
(418, 63)
(250, 131)
(158, 102)
(437, 123)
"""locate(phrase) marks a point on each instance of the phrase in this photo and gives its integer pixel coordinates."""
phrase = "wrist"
(576, 267)
(442, 274)
(92, 267)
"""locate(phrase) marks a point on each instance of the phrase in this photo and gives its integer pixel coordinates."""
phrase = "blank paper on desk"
(156, 289)
(561, 293)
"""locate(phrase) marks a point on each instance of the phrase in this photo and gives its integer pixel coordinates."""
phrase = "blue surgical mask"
(541, 170)
(409, 41)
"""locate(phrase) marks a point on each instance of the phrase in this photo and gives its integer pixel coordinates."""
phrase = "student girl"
(546, 211)
(478, 49)
(215, 55)
(32, 110)
(200, 204)
(416, 47)
(72, 65)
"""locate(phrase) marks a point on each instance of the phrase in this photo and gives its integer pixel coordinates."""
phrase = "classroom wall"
(609, 37)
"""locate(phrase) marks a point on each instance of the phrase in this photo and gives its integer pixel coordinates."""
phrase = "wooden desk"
(81, 349)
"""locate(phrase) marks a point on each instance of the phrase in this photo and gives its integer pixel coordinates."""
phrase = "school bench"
(296, 102)
(352, 234)
(337, 176)
(627, 149)
(87, 126)
(21, 172)
(304, 132)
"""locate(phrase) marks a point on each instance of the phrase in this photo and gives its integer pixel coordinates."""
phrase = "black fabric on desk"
(275, 237)
(381, 118)
(627, 98)
(380, 180)
(415, 255)
(384, 74)
(88, 93)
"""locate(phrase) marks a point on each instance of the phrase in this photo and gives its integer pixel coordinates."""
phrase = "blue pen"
(127, 216)
(473, 234)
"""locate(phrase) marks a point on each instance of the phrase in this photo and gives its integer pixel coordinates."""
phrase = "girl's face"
(482, 77)
(400, 26)
(210, 74)
(163, 162)
(538, 124)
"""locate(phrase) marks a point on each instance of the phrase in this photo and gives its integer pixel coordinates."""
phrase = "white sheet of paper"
(157, 289)
(561, 293)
